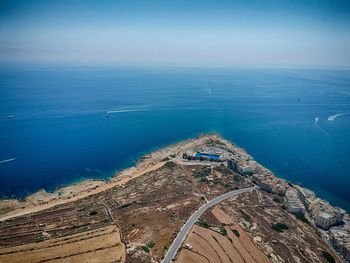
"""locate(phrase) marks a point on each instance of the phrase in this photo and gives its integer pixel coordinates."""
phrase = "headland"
(137, 214)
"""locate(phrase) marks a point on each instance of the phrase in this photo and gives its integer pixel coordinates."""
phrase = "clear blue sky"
(177, 32)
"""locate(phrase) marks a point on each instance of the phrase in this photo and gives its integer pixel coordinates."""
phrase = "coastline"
(40, 200)
(204, 150)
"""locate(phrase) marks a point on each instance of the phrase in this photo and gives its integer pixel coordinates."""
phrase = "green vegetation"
(245, 216)
(202, 223)
(236, 178)
(284, 207)
(5, 209)
(202, 180)
(166, 159)
(146, 249)
(234, 231)
(151, 245)
(279, 227)
(170, 165)
(328, 257)
(223, 230)
(201, 174)
(92, 213)
(277, 199)
(223, 169)
(301, 217)
(125, 205)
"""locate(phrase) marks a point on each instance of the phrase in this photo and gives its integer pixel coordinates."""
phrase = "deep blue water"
(59, 133)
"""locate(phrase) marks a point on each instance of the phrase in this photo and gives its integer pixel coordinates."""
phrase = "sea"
(61, 124)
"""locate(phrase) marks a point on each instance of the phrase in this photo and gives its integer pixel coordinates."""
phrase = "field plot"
(98, 245)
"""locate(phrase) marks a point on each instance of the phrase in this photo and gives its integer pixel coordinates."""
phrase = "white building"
(326, 219)
(294, 205)
(264, 185)
(246, 169)
(306, 196)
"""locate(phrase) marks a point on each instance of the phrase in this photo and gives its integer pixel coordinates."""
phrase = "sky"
(177, 32)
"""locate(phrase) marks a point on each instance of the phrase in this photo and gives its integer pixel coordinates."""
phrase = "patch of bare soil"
(98, 245)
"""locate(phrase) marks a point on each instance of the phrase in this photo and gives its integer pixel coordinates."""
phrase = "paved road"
(190, 222)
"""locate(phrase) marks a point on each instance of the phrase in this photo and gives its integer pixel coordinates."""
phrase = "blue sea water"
(60, 133)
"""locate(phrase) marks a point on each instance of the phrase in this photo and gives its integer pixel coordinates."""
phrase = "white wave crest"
(333, 117)
(8, 160)
(123, 111)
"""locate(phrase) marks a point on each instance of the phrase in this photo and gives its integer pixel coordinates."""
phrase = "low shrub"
(328, 257)
(301, 217)
(223, 230)
(145, 248)
(92, 213)
(279, 227)
(245, 215)
(234, 231)
(151, 244)
(277, 199)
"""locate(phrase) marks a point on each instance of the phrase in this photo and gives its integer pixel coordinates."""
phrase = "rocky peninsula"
(137, 214)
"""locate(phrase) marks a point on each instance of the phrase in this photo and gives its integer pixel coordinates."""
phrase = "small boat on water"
(10, 116)
(317, 119)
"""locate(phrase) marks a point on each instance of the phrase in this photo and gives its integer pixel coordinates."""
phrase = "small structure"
(203, 156)
(245, 169)
(306, 196)
(232, 164)
(294, 205)
(264, 185)
(279, 189)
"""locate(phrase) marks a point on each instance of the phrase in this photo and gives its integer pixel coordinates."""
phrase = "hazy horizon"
(179, 33)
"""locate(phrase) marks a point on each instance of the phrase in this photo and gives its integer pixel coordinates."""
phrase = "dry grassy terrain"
(257, 212)
(148, 210)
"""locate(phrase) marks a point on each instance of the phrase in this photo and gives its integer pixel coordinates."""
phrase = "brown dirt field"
(211, 246)
(244, 240)
(221, 216)
(189, 256)
(98, 245)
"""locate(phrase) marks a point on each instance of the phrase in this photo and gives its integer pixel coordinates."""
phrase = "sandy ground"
(98, 245)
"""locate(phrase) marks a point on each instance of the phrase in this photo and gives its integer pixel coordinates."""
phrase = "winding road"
(190, 222)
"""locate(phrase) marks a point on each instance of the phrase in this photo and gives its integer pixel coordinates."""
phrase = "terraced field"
(98, 245)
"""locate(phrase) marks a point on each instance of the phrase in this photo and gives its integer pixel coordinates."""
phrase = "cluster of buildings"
(298, 200)
(325, 215)
(340, 238)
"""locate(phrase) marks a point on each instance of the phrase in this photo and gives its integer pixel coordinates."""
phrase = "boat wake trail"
(8, 160)
(122, 111)
(317, 125)
(333, 117)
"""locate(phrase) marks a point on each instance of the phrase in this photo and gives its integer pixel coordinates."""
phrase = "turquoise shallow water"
(60, 133)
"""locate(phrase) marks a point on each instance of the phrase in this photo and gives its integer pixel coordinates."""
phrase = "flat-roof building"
(294, 205)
